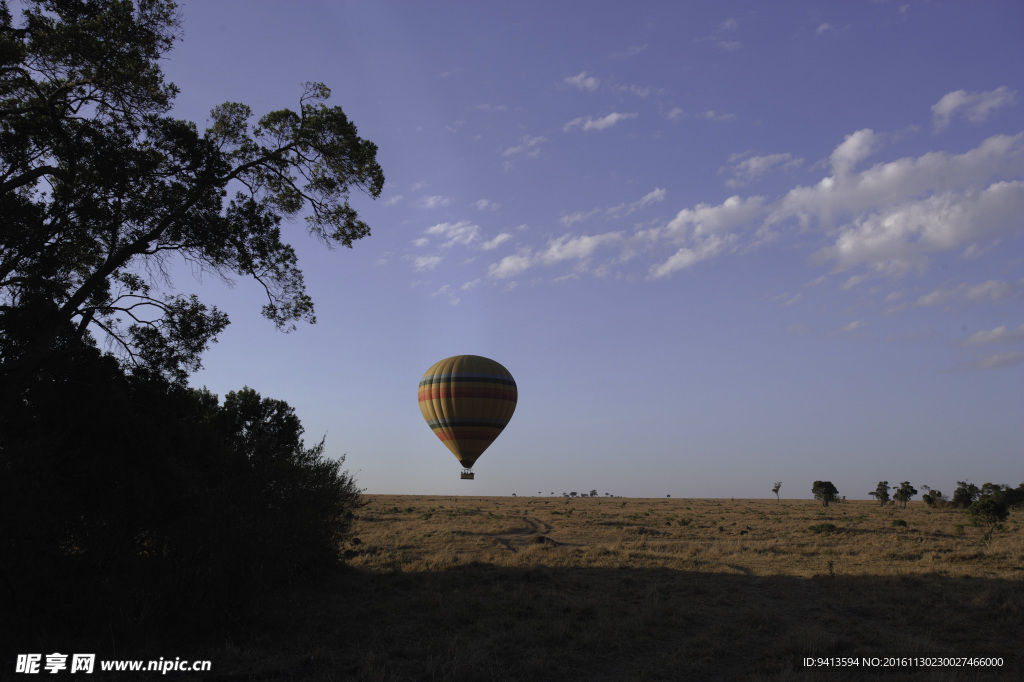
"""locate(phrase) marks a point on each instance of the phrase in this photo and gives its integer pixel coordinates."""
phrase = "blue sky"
(718, 245)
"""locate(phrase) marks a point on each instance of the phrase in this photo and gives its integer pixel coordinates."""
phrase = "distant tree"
(776, 489)
(824, 491)
(668, 496)
(932, 497)
(1013, 497)
(881, 493)
(965, 494)
(593, 493)
(987, 511)
(573, 494)
(991, 489)
(905, 492)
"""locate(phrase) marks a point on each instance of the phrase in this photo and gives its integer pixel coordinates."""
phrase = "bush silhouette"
(127, 499)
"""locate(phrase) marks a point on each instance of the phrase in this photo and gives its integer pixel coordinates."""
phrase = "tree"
(965, 494)
(776, 489)
(931, 496)
(987, 511)
(881, 492)
(593, 492)
(122, 489)
(824, 491)
(905, 492)
(100, 187)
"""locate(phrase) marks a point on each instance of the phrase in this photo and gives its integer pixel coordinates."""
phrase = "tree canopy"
(825, 491)
(100, 186)
(881, 493)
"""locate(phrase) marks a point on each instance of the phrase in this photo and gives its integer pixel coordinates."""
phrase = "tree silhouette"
(100, 187)
(824, 491)
(905, 493)
(881, 493)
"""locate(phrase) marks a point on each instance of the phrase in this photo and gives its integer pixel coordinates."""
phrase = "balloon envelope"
(467, 400)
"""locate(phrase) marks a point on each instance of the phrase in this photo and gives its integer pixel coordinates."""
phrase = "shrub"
(987, 511)
(823, 528)
(126, 499)
(899, 523)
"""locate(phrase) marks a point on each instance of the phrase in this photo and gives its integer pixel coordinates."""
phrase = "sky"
(718, 245)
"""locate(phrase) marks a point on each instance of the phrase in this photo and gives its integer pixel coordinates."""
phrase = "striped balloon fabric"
(467, 400)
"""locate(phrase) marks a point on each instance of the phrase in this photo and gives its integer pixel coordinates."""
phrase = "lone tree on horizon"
(905, 492)
(881, 493)
(777, 488)
(825, 491)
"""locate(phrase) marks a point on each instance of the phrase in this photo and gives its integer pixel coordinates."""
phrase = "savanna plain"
(605, 588)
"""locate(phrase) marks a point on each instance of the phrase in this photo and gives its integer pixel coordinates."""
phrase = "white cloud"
(674, 114)
(639, 90)
(893, 214)
(462, 232)
(755, 166)
(936, 297)
(426, 262)
(576, 217)
(1001, 334)
(687, 256)
(630, 51)
(975, 106)
(446, 290)
(471, 284)
(496, 242)
(730, 24)
(855, 148)
(705, 219)
(528, 144)
(897, 239)
(510, 266)
(583, 81)
(852, 326)
(568, 247)
(887, 219)
(589, 123)
(486, 204)
(392, 201)
(1000, 360)
(992, 290)
(420, 243)
(823, 28)
(434, 201)
(713, 115)
(624, 209)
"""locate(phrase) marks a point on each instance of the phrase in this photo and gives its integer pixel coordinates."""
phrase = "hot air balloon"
(467, 400)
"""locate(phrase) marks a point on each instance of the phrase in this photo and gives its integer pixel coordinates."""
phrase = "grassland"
(486, 588)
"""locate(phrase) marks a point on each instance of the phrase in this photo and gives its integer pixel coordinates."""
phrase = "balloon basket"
(467, 475)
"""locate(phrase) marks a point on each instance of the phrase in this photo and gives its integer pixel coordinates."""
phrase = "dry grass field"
(552, 588)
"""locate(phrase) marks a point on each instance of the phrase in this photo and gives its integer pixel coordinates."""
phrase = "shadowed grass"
(441, 588)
